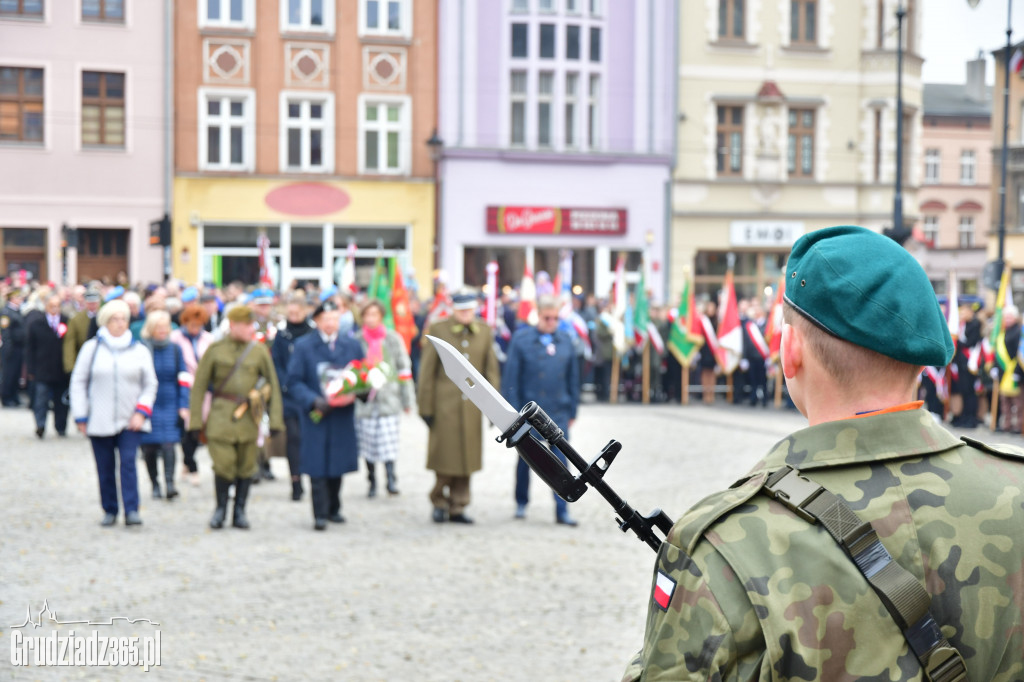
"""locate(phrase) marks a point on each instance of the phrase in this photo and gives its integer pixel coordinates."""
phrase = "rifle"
(517, 432)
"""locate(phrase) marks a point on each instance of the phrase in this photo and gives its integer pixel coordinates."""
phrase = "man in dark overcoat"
(44, 364)
(328, 448)
(455, 447)
(12, 350)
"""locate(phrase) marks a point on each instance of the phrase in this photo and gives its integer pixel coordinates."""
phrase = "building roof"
(945, 99)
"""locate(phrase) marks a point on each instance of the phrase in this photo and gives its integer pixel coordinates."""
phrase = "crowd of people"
(159, 368)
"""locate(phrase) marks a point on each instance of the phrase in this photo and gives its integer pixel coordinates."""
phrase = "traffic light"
(160, 231)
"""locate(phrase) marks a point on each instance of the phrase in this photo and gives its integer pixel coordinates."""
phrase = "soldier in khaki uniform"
(81, 328)
(873, 544)
(455, 448)
(231, 440)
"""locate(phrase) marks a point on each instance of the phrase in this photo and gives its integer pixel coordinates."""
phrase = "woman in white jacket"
(113, 386)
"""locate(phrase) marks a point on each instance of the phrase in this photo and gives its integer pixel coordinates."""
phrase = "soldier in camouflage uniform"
(752, 584)
(231, 441)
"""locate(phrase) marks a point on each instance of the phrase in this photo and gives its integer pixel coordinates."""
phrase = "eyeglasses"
(549, 318)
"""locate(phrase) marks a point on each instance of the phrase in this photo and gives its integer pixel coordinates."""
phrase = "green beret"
(240, 313)
(868, 290)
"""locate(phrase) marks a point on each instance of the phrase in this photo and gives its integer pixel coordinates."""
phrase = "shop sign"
(551, 220)
(764, 232)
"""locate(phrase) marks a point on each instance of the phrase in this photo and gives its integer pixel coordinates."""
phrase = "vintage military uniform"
(231, 441)
(752, 584)
(455, 447)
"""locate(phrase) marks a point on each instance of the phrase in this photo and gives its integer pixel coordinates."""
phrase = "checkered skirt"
(378, 438)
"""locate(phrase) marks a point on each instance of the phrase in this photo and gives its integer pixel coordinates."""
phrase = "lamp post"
(1006, 130)
(898, 230)
(436, 145)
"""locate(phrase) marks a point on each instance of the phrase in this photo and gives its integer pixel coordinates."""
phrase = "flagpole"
(686, 385)
(995, 405)
(646, 381)
(728, 387)
(779, 378)
(613, 396)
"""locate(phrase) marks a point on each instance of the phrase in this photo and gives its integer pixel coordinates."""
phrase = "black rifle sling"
(906, 600)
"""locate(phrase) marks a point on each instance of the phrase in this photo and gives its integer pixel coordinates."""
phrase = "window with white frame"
(227, 130)
(307, 15)
(517, 99)
(386, 17)
(307, 137)
(546, 5)
(594, 111)
(967, 167)
(520, 5)
(571, 92)
(384, 135)
(966, 231)
(931, 229)
(932, 166)
(572, 6)
(545, 91)
(227, 13)
(595, 7)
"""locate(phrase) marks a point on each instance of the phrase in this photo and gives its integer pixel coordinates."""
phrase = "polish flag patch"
(663, 589)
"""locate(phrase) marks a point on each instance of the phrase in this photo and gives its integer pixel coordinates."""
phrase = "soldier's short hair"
(845, 362)
(548, 302)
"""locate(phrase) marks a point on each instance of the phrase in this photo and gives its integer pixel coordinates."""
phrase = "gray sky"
(953, 34)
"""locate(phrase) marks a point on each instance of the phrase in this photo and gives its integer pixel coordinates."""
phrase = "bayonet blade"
(474, 386)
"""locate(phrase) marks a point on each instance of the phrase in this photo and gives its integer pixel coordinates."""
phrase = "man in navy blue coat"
(297, 324)
(542, 367)
(329, 447)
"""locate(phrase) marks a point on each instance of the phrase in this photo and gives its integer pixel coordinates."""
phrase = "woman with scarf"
(113, 387)
(170, 409)
(377, 419)
(193, 339)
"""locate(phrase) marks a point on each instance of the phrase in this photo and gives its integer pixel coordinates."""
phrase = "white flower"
(376, 378)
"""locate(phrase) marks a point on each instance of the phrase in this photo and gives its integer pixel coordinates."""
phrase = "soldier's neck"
(830, 403)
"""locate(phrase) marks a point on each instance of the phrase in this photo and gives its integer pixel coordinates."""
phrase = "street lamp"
(899, 233)
(436, 145)
(1006, 130)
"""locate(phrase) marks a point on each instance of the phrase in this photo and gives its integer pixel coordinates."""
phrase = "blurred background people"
(542, 367)
(193, 340)
(81, 327)
(170, 409)
(12, 349)
(296, 325)
(44, 363)
(455, 446)
(113, 387)
(377, 418)
(329, 447)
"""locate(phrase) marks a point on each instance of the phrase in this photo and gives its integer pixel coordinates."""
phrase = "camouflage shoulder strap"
(903, 596)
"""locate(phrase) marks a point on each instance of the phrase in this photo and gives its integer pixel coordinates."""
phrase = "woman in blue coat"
(171, 407)
(329, 447)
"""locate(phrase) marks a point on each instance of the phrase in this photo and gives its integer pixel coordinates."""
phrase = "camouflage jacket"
(754, 592)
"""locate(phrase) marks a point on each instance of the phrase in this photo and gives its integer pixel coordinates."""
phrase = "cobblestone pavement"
(388, 595)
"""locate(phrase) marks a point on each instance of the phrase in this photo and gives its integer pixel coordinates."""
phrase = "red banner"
(551, 220)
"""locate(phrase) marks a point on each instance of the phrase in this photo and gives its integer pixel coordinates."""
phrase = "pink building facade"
(954, 199)
(82, 138)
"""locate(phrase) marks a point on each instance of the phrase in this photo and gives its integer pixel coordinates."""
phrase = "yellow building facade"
(787, 124)
(310, 226)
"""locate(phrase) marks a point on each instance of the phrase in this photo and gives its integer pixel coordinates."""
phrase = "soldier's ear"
(791, 352)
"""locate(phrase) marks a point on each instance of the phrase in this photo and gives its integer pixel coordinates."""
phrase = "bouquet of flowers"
(340, 384)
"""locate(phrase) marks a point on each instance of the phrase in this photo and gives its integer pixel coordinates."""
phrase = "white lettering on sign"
(524, 219)
(764, 232)
(582, 220)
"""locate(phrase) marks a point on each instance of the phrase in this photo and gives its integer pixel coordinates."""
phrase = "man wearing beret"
(231, 368)
(871, 545)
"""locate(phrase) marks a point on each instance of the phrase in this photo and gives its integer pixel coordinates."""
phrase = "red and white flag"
(1017, 61)
(773, 330)
(263, 253)
(527, 298)
(730, 334)
(491, 310)
(655, 338)
(664, 587)
(348, 271)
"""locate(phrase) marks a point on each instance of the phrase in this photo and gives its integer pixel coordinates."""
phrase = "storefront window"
(753, 272)
(510, 265)
(547, 260)
(388, 238)
(307, 247)
(239, 235)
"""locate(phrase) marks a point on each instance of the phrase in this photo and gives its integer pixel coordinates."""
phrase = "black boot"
(296, 489)
(238, 519)
(149, 455)
(168, 453)
(334, 500)
(221, 486)
(318, 491)
(371, 476)
(392, 479)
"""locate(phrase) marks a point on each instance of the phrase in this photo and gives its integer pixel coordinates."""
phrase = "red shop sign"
(551, 220)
